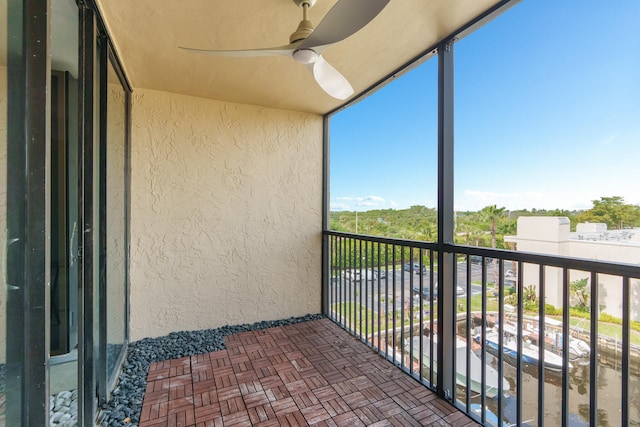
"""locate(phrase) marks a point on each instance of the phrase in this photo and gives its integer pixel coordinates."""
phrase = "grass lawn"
(361, 314)
(476, 302)
(606, 329)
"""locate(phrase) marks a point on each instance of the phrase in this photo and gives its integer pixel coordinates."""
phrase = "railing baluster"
(347, 261)
(593, 357)
(565, 346)
(468, 337)
(334, 282)
(520, 325)
(410, 320)
(454, 344)
(501, 318)
(342, 289)
(362, 279)
(431, 348)
(349, 255)
(483, 339)
(403, 309)
(347, 284)
(338, 287)
(352, 288)
(625, 349)
(541, 342)
(378, 294)
(393, 308)
(421, 317)
(386, 301)
(366, 289)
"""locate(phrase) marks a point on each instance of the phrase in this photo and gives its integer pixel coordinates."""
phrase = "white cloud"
(357, 203)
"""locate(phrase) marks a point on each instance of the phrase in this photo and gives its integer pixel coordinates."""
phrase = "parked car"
(475, 259)
(379, 274)
(356, 275)
(509, 273)
(415, 267)
(426, 292)
(353, 275)
(371, 274)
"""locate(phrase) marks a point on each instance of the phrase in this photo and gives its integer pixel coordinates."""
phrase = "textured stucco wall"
(226, 213)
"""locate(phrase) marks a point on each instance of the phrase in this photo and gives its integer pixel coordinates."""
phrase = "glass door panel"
(63, 313)
(3, 211)
(115, 222)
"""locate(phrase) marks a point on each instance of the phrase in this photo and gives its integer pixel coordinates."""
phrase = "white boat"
(577, 347)
(530, 352)
(475, 366)
(491, 419)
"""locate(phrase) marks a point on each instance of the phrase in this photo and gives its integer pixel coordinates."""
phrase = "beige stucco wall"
(550, 235)
(226, 213)
(611, 287)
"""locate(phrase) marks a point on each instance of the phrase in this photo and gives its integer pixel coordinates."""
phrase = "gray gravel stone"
(126, 399)
(64, 409)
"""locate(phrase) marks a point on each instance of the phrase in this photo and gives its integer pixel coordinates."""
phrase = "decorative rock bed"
(125, 403)
(64, 409)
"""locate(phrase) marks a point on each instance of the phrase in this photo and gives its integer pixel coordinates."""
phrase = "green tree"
(492, 214)
(578, 290)
(612, 211)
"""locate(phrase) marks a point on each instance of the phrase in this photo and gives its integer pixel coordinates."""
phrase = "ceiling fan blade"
(330, 79)
(344, 19)
(248, 53)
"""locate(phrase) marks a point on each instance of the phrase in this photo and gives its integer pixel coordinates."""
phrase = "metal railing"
(527, 346)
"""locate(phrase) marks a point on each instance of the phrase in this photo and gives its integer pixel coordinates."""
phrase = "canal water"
(609, 395)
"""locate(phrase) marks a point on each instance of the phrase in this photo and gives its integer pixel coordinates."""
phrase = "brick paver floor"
(311, 373)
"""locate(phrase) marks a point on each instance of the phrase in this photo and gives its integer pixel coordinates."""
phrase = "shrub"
(551, 310)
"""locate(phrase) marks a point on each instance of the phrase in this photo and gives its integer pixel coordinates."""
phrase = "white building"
(552, 236)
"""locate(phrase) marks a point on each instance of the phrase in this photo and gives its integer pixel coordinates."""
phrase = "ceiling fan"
(306, 44)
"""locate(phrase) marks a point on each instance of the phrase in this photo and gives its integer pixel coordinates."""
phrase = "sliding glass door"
(64, 213)
(64, 108)
(116, 235)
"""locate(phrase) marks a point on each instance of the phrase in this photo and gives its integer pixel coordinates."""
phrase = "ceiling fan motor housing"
(305, 56)
(305, 28)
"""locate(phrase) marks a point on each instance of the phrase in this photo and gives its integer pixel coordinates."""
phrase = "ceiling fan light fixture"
(305, 56)
(306, 44)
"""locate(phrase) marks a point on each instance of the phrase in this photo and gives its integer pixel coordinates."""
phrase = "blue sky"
(547, 104)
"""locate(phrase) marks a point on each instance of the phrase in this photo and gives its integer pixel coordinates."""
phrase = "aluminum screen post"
(28, 225)
(446, 261)
(326, 265)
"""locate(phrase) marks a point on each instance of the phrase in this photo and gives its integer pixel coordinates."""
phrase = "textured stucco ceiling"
(147, 34)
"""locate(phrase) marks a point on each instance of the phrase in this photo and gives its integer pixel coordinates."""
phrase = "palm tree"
(492, 213)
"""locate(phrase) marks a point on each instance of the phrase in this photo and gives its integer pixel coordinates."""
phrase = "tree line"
(484, 228)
